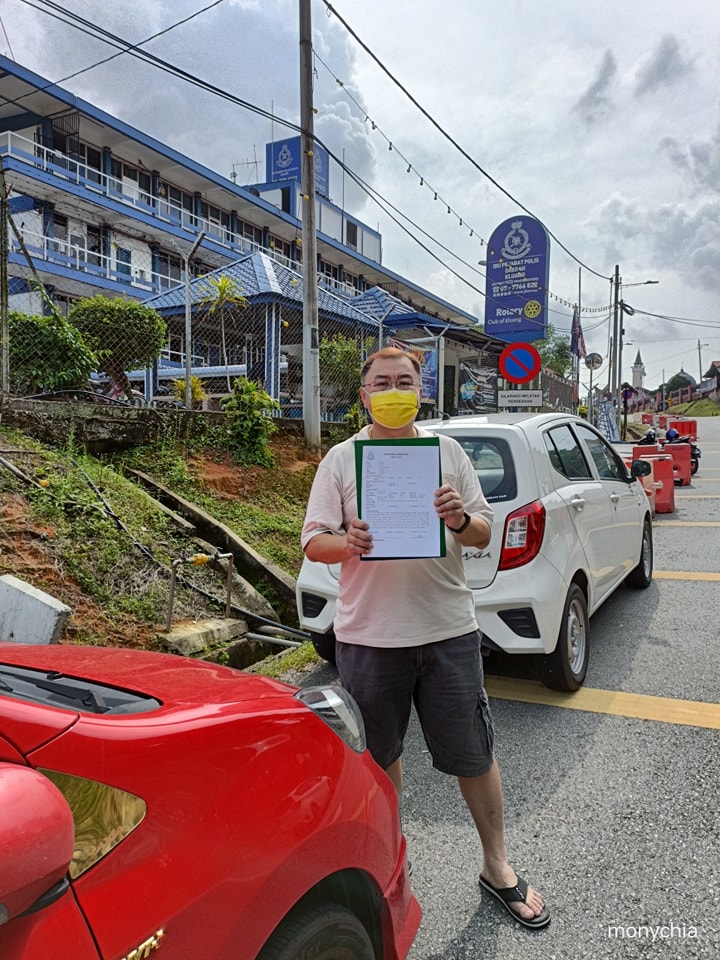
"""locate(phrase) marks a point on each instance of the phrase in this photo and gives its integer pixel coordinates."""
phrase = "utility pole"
(576, 358)
(700, 369)
(311, 340)
(4, 293)
(615, 353)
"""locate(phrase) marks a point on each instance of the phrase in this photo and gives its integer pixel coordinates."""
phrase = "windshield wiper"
(54, 682)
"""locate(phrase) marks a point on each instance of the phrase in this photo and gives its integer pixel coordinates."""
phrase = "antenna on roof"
(245, 163)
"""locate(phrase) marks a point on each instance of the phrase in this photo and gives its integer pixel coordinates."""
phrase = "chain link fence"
(243, 320)
(240, 326)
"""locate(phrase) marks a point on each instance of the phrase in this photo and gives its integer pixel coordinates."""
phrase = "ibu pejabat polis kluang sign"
(516, 286)
(283, 162)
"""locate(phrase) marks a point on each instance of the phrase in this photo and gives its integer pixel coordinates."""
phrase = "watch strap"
(463, 526)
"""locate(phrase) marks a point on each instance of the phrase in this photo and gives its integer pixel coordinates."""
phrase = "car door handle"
(614, 497)
(577, 502)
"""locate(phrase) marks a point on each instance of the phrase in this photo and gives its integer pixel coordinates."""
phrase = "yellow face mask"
(394, 408)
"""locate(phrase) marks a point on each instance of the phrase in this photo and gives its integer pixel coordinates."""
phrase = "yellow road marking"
(686, 523)
(690, 713)
(686, 575)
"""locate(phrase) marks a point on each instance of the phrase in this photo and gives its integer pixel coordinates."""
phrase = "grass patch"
(301, 658)
(89, 533)
(697, 408)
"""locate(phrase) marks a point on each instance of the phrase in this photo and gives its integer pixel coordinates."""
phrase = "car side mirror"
(37, 836)
(640, 468)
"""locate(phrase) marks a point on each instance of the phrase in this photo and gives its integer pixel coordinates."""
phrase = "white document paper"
(396, 484)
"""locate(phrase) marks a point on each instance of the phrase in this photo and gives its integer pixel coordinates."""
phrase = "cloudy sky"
(600, 118)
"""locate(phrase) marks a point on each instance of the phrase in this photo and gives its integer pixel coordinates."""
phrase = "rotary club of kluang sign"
(516, 285)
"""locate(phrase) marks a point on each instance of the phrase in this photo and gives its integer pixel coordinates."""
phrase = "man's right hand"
(329, 548)
(359, 538)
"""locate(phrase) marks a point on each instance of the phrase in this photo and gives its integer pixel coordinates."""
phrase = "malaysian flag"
(577, 340)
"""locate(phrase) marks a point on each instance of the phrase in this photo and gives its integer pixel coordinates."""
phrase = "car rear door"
(627, 503)
(494, 461)
(587, 503)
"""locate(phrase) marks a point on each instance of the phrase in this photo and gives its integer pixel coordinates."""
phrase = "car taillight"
(523, 536)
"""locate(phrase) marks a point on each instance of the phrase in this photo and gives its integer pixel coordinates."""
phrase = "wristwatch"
(463, 526)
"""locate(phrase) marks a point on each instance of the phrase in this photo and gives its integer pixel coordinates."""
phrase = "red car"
(149, 801)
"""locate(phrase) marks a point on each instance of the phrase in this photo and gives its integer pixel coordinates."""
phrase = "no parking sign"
(519, 362)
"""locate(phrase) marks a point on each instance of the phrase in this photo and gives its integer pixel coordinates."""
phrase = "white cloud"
(602, 119)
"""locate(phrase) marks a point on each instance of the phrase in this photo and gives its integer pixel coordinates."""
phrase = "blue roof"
(261, 280)
(393, 312)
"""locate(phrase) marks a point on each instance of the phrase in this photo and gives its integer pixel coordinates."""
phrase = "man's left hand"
(449, 506)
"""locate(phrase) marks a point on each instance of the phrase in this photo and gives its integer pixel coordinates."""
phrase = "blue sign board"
(282, 162)
(516, 286)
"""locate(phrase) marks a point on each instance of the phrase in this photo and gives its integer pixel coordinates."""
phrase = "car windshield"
(494, 466)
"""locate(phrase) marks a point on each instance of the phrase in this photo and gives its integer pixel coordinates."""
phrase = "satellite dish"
(593, 361)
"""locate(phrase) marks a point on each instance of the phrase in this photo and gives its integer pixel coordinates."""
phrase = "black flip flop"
(516, 894)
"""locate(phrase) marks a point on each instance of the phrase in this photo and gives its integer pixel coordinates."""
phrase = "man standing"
(406, 629)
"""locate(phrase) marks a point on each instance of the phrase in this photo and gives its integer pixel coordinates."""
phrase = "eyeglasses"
(405, 382)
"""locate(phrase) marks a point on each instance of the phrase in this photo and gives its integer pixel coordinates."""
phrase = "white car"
(571, 524)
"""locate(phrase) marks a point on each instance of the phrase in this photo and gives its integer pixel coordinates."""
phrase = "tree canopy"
(555, 351)
(47, 353)
(124, 334)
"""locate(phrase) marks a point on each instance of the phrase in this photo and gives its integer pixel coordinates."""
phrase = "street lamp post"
(188, 321)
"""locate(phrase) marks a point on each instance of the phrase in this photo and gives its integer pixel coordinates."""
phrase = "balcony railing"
(160, 207)
(75, 257)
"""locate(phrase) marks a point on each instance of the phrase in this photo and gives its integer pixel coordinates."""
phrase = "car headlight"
(337, 708)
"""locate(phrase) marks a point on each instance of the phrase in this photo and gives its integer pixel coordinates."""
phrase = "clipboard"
(396, 481)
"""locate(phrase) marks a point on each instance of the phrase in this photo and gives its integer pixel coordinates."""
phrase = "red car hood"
(168, 678)
(189, 690)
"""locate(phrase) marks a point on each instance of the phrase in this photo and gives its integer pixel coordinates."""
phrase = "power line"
(423, 182)
(708, 324)
(124, 46)
(452, 140)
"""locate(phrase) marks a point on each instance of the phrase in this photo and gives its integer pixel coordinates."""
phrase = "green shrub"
(251, 425)
(47, 353)
(197, 390)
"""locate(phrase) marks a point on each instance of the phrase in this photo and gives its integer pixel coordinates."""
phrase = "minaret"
(638, 372)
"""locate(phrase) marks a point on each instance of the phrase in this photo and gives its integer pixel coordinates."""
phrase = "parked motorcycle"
(650, 438)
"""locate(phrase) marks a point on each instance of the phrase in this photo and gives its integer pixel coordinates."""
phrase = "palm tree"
(223, 294)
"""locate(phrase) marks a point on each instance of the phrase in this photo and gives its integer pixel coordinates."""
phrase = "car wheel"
(324, 644)
(566, 666)
(641, 576)
(326, 931)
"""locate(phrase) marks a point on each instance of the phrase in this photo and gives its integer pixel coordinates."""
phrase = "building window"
(60, 233)
(351, 235)
(123, 264)
(94, 245)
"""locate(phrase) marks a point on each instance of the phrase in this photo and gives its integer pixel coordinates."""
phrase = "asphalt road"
(612, 809)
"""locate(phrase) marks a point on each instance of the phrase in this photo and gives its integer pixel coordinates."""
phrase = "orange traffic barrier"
(641, 450)
(684, 427)
(664, 481)
(680, 453)
(649, 483)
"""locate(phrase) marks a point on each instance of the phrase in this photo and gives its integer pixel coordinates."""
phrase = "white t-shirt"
(396, 603)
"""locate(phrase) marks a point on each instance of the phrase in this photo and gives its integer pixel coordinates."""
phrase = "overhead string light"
(392, 147)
